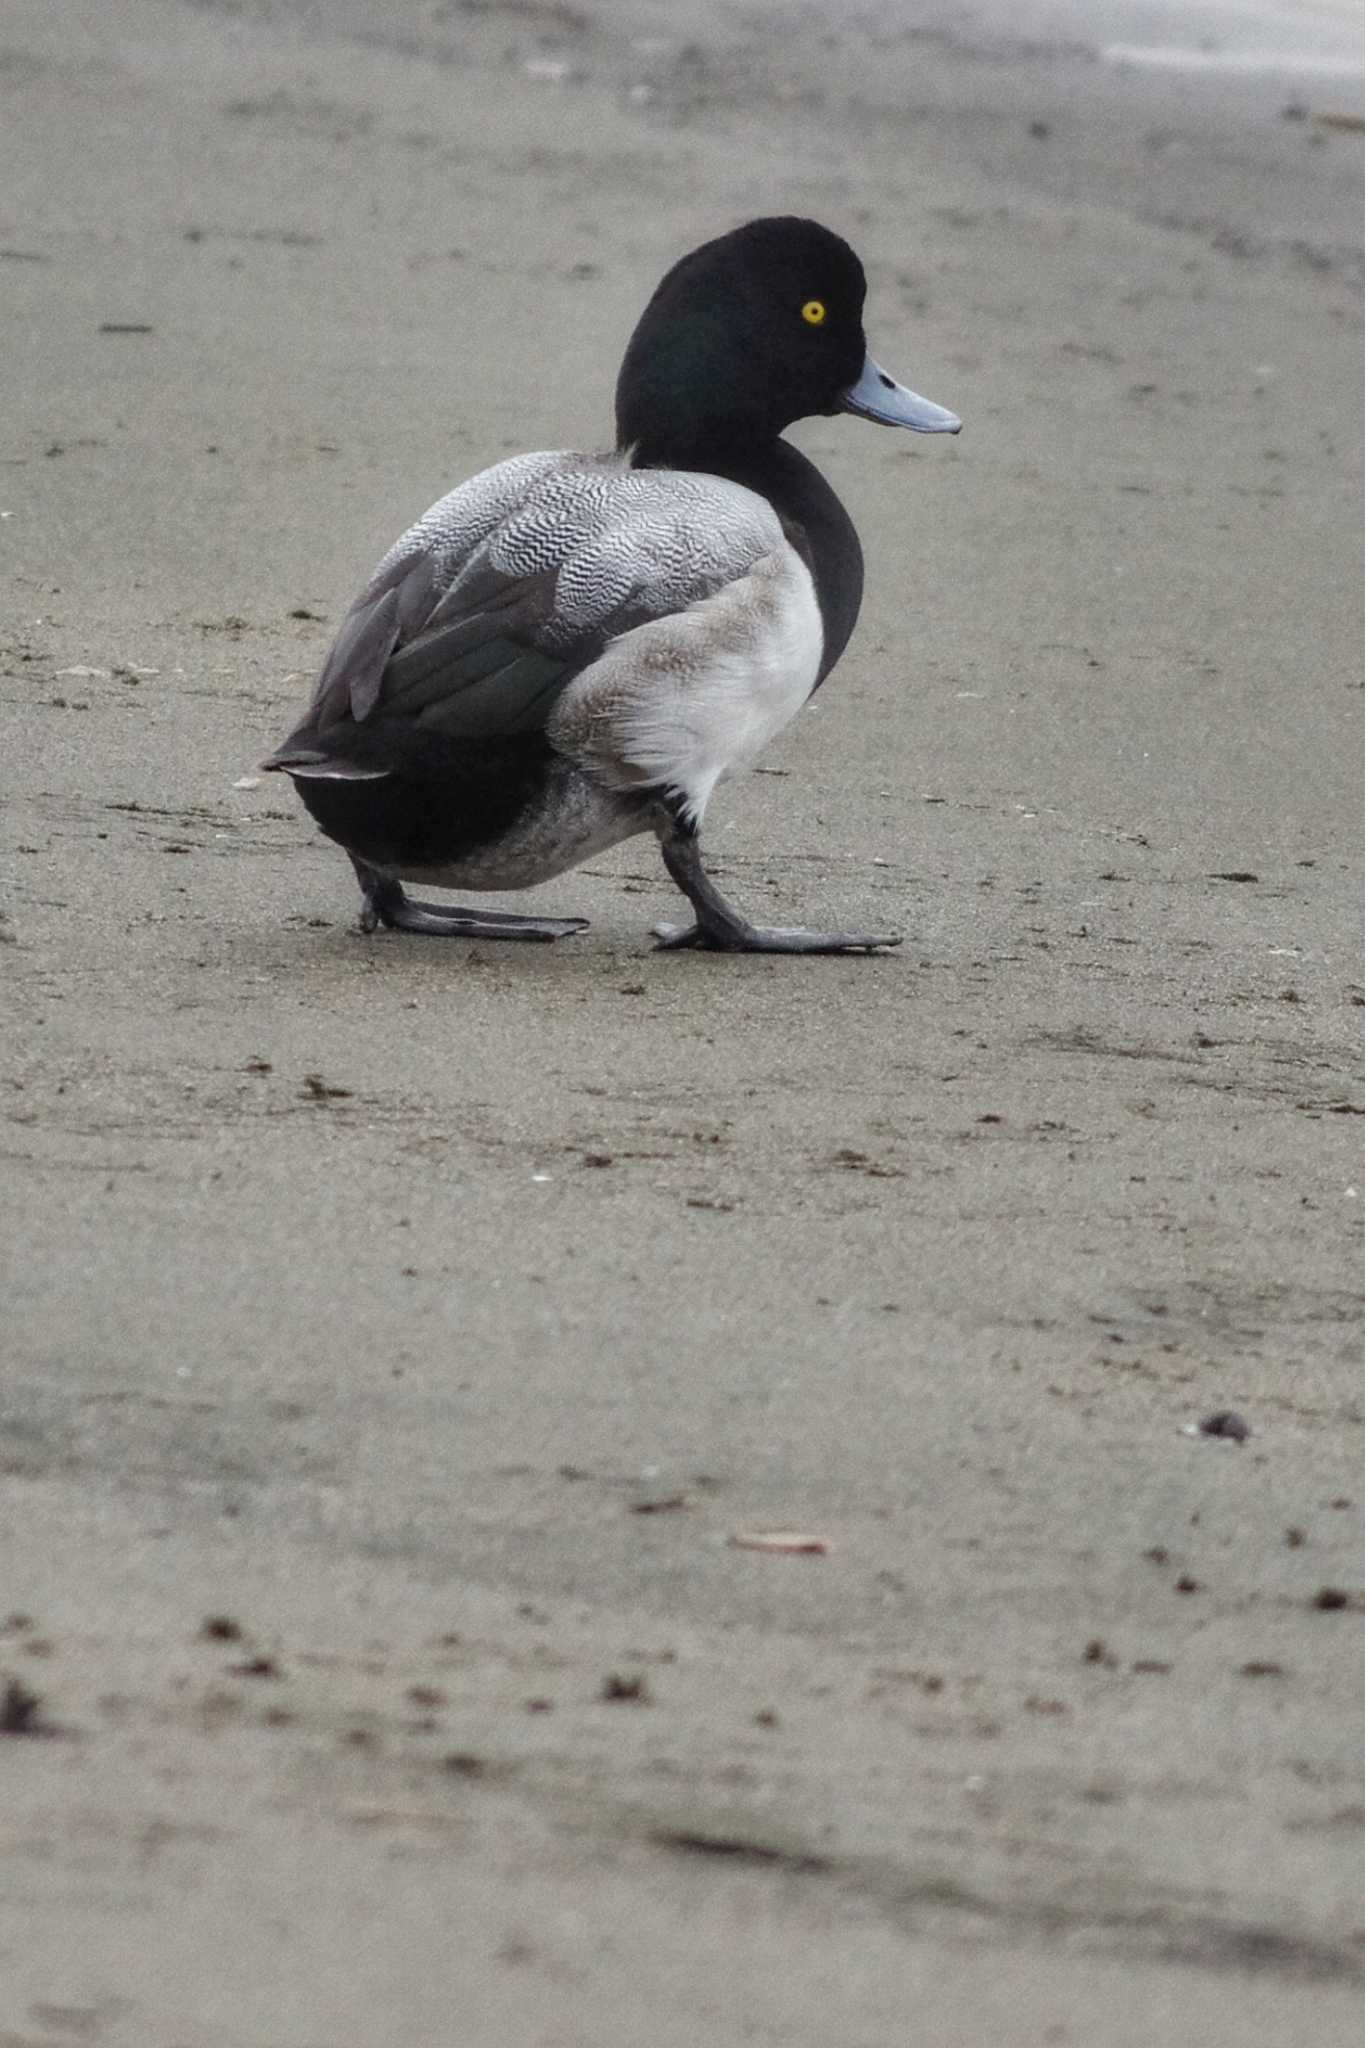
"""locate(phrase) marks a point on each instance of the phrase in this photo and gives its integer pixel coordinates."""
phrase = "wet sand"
(398, 1334)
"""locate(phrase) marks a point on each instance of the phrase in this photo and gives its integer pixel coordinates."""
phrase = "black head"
(745, 335)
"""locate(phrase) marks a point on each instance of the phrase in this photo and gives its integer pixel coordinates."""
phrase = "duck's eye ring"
(813, 312)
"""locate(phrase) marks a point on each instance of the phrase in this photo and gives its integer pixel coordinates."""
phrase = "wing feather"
(511, 585)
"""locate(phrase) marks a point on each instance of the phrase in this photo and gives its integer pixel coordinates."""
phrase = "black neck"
(815, 522)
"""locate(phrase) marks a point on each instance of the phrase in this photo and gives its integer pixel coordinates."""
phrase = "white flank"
(688, 699)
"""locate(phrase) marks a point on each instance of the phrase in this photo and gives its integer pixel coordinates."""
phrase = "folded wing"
(508, 588)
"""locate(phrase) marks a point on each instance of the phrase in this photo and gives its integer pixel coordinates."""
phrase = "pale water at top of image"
(1316, 41)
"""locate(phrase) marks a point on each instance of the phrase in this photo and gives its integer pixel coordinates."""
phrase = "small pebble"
(20, 1710)
(1225, 1422)
(616, 1687)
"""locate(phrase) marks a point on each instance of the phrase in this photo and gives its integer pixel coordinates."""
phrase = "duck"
(571, 649)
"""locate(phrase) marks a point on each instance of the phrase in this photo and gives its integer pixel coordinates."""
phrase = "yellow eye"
(813, 312)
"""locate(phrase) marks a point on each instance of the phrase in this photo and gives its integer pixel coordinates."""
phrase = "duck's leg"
(719, 928)
(386, 902)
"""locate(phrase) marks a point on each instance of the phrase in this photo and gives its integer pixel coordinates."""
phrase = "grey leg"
(719, 928)
(386, 902)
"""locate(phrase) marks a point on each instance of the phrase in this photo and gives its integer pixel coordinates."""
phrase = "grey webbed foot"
(385, 902)
(720, 929)
(742, 937)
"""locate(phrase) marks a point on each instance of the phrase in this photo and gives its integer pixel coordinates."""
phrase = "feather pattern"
(517, 581)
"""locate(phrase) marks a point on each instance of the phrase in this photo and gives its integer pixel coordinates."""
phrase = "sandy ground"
(426, 1319)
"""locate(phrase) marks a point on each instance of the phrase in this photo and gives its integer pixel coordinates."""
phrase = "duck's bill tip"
(878, 397)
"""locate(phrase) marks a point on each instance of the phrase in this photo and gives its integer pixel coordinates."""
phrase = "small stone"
(634, 1689)
(21, 1711)
(1225, 1422)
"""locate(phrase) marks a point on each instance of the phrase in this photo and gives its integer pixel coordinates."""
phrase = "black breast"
(820, 530)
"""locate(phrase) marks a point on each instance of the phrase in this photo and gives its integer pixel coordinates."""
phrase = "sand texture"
(397, 1334)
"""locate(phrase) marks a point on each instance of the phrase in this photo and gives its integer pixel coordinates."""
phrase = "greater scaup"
(569, 649)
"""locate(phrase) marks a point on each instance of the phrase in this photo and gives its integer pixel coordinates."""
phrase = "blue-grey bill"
(876, 396)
